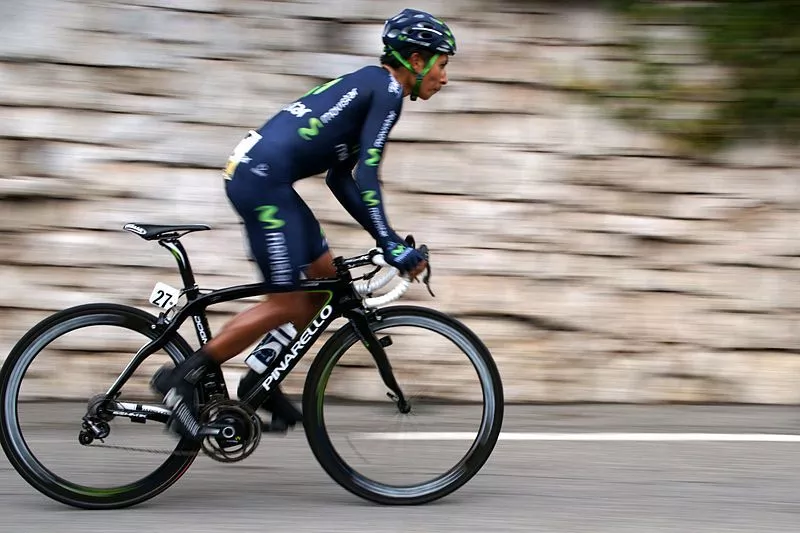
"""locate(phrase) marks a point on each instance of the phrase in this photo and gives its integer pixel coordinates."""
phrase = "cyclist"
(335, 127)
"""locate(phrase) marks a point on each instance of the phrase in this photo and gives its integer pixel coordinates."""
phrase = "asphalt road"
(622, 475)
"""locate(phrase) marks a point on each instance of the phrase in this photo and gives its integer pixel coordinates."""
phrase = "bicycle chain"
(177, 453)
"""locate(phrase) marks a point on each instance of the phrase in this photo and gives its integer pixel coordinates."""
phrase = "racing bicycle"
(384, 364)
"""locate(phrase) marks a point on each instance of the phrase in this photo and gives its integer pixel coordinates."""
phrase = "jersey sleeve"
(341, 183)
(343, 186)
(384, 110)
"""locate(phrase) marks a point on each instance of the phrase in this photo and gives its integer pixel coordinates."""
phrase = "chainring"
(246, 430)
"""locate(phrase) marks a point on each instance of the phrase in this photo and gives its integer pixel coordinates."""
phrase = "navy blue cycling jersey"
(350, 115)
(338, 126)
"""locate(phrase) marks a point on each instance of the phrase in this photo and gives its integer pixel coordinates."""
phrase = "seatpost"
(185, 268)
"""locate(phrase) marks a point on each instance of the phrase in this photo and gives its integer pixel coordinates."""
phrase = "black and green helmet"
(412, 29)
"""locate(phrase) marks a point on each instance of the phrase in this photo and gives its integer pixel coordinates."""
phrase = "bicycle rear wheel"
(363, 440)
(44, 401)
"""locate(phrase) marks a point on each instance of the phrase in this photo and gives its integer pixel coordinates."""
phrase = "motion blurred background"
(610, 190)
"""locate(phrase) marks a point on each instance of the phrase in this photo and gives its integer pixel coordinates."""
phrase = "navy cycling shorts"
(283, 234)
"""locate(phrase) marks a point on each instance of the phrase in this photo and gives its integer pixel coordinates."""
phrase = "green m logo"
(312, 130)
(266, 214)
(397, 250)
(369, 198)
(374, 157)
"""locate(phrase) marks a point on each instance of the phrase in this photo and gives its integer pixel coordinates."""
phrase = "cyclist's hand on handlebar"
(404, 258)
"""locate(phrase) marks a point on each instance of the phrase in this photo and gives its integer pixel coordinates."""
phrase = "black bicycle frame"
(343, 301)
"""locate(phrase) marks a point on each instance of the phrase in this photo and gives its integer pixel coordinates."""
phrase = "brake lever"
(427, 278)
(371, 274)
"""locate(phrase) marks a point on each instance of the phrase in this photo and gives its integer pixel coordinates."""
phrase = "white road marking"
(591, 437)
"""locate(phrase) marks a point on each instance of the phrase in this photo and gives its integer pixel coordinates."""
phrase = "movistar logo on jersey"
(266, 214)
(377, 219)
(377, 149)
(374, 157)
(312, 130)
(388, 122)
(398, 250)
(314, 124)
(369, 198)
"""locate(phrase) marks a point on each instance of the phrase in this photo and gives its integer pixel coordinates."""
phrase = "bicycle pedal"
(160, 381)
(277, 426)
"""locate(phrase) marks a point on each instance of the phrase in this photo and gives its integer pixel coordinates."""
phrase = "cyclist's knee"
(322, 267)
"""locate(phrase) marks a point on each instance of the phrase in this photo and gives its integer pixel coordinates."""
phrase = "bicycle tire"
(13, 442)
(336, 467)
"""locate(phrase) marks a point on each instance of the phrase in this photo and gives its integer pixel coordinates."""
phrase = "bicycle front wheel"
(45, 387)
(368, 443)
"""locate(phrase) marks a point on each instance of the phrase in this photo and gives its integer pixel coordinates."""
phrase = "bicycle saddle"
(151, 232)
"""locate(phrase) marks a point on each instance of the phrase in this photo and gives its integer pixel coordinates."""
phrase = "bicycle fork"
(376, 347)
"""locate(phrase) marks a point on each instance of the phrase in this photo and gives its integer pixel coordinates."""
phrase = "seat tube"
(192, 291)
(184, 266)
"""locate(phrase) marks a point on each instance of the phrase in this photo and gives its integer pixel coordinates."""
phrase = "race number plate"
(239, 154)
(164, 296)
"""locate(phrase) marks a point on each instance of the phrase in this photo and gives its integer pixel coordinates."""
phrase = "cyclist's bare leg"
(243, 330)
(249, 326)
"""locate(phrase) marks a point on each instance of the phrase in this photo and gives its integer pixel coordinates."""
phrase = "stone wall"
(596, 263)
